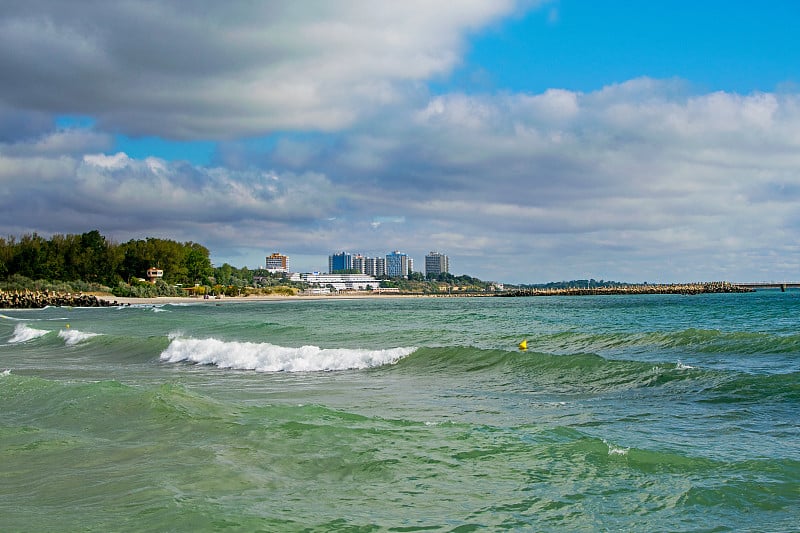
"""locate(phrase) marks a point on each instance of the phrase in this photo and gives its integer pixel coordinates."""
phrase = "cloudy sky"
(530, 141)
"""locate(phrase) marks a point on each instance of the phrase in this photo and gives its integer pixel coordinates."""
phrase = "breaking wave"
(73, 336)
(266, 357)
(25, 333)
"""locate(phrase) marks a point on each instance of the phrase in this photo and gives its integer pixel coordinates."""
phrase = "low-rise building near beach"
(154, 274)
(339, 282)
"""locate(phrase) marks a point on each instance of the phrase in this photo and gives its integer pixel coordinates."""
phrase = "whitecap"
(681, 366)
(24, 333)
(73, 336)
(615, 450)
(265, 357)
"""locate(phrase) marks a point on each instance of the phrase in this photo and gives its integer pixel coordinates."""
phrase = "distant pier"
(714, 287)
(782, 285)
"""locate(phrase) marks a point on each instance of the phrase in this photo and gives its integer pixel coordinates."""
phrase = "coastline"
(678, 288)
(162, 300)
(38, 300)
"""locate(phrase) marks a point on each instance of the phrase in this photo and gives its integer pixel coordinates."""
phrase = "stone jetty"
(713, 287)
(40, 299)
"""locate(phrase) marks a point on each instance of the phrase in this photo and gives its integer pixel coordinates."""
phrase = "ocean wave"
(707, 341)
(155, 308)
(266, 357)
(6, 317)
(25, 333)
(73, 336)
(586, 373)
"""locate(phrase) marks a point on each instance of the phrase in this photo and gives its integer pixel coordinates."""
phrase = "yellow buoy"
(523, 345)
(67, 326)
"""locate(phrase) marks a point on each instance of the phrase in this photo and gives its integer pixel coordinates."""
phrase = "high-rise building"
(359, 263)
(277, 263)
(436, 263)
(375, 266)
(397, 265)
(339, 262)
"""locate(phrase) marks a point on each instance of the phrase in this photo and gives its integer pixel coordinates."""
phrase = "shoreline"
(38, 300)
(720, 287)
(163, 300)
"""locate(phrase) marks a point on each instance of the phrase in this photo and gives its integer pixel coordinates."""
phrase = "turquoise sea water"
(627, 413)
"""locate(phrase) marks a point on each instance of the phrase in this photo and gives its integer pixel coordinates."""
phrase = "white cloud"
(625, 178)
(107, 162)
(637, 180)
(222, 70)
(127, 197)
(606, 182)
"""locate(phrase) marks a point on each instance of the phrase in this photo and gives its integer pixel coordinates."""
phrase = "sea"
(625, 413)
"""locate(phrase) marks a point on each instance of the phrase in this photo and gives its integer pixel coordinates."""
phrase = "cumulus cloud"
(49, 192)
(223, 70)
(643, 179)
(620, 178)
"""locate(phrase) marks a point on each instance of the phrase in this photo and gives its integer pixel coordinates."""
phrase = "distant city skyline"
(393, 264)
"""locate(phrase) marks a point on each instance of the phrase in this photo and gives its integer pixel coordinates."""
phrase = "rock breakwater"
(714, 287)
(42, 299)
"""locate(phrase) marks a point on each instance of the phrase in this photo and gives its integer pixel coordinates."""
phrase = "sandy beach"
(239, 299)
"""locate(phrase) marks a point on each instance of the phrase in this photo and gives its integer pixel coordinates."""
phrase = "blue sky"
(584, 46)
(529, 141)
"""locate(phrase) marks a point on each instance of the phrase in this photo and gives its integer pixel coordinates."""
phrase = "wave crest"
(73, 336)
(265, 357)
(25, 333)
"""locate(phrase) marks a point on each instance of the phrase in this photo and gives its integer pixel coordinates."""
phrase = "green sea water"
(626, 413)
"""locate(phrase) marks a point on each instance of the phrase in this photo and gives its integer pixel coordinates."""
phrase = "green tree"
(28, 256)
(223, 274)
(197, 263)
(96, 262)
(6, 254)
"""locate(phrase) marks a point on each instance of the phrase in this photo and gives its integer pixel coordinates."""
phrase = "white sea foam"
(265, 357)
(24, 333)
(73, 336)
(153, 307)
(615, 450)
(6, 372)
(681, 366)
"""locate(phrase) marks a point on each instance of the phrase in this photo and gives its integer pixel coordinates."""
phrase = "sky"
(530, 141)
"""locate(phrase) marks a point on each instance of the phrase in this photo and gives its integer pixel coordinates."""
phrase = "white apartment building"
(375, 266)
(340, 282)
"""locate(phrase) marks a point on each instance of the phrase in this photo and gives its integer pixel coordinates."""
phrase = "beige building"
(277, 263)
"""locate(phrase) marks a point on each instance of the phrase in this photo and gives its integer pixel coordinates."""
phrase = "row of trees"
(576, 284)
(438, 283)
(90, 257)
